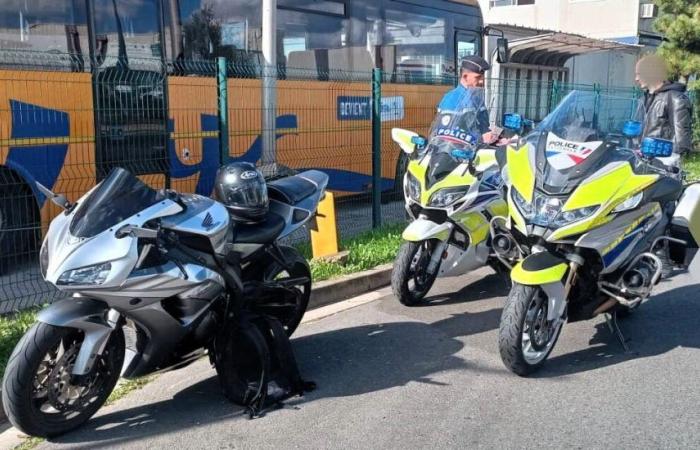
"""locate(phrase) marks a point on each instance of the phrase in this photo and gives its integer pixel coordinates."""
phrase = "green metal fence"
(174, 123)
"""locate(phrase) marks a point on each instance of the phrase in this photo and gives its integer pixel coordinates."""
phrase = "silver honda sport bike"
(153, 278)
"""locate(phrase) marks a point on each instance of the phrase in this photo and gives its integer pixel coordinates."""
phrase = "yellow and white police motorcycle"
(452, 190)
(595, 216)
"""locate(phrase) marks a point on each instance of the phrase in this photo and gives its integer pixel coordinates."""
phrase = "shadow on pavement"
(667, 321)
(343, 362)
(492, 285)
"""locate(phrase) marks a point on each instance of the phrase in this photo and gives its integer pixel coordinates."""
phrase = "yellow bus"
(88, 85)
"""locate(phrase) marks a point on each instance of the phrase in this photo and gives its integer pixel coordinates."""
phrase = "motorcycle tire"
(27, 368)
(402, 274)
(519, 313)
(299, 268)
(242, 363)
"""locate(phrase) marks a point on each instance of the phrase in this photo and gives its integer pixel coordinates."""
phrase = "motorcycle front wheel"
(525, 336)
(38, 393)
(410, 280)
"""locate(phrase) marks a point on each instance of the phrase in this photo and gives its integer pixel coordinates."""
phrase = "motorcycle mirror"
(464, 155)
(632, 129)
(513, 121)
(137, 232)
(656, 148)
(407, 140)
(502, 50)
(58, 199)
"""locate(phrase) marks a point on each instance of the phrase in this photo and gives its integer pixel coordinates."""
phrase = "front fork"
(436, 257)
(93, 318)
(558, 293)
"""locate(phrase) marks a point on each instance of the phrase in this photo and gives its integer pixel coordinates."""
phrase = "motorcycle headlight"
(523, 205)
(447, 196)
(92, 275)
(412, 187)
(44, 258)
(630, 203)
(546, 211)
(567, 217)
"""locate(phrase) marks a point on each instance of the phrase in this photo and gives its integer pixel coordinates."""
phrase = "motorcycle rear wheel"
(38, 394)
(289, 313)
(242, 362)
(525, 338)
(410, 281)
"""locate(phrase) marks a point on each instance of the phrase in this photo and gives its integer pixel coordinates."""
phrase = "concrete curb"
(325, 293)
(331, 291)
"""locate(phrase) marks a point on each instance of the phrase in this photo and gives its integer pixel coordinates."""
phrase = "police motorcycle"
(593, 214)
(157, 279)
(451, 189)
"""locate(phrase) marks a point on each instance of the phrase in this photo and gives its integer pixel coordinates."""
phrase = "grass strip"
(12, 328)
(367, 250)
(691, 164)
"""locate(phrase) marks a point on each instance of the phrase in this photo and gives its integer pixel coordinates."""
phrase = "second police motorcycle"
(452, 189)
(595, 217)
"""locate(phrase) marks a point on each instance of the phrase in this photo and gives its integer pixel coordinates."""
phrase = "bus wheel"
(19, 221)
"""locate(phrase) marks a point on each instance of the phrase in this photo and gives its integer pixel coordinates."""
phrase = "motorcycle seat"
(262, 232)
(290, 190)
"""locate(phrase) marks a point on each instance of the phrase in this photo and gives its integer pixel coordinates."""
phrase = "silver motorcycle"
(153, 278)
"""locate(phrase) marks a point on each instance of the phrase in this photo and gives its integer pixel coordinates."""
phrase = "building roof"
(555, 48)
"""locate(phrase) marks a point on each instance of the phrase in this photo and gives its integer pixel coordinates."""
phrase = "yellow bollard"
(324, 236)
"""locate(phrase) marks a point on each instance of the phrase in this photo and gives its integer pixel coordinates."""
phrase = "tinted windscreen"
(118, 197)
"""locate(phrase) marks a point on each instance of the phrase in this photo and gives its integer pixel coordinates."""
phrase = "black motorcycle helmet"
(241, 187)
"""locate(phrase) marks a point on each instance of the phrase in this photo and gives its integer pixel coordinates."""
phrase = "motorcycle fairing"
(547, 271)
(617, 239)
(605, 189)
(67, 251)
(539, 268)
(563, 154)
(423, 229)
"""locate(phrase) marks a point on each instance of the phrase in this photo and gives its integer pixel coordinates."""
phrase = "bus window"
(127, 33)
(313, 37)
(419, 52)
(56, 28)
(467, 43)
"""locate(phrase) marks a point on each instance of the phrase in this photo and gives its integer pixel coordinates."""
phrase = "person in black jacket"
(667, 106)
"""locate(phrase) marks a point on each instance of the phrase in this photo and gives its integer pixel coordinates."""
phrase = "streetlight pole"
(269, 78)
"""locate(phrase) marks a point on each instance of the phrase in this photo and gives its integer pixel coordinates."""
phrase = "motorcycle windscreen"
(573, 140)
(116, 198)
(461, 120)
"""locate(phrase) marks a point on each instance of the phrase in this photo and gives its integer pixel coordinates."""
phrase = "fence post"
(222, 88)
(553, 96)
(376, 147)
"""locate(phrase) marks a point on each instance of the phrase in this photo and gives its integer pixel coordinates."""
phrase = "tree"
(202, 34)
(679, 22)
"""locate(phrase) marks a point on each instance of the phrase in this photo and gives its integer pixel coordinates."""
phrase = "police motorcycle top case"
(596, 217)
(451, 189)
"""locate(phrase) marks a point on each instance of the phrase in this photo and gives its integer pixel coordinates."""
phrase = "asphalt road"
(396, 377)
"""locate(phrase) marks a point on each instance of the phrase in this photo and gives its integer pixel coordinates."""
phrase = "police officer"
(471, 80)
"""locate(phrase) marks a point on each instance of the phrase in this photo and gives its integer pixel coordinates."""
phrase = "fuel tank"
(202, 216)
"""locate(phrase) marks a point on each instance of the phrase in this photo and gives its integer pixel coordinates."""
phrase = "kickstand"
(614, 328)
